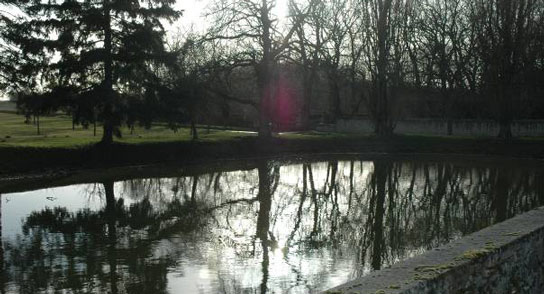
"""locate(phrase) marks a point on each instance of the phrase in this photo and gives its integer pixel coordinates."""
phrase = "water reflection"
(297, 228)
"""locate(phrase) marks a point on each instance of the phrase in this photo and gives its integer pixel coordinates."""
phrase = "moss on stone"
(424, 276)
(490, 246)
(473, 254)
(513, 234)
(435, 268)
(394, 287)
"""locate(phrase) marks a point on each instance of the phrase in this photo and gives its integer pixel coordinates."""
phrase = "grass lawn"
(56, 131)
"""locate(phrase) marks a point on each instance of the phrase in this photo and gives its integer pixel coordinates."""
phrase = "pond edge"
(503, 258)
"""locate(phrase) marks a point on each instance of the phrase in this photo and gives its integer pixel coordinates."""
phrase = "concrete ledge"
(505, 258)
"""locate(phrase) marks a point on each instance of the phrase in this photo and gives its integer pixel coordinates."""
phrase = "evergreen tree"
(5, 56)
(99, 55)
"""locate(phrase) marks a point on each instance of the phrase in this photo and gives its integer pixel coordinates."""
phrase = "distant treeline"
(108, 62)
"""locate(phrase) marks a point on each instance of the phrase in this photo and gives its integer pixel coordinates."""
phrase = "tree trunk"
(450, 126)
(110, 207)
(112, 234)
(449, 109)
(193, 191)
(313, 193)
(264, 265)
(511, 45)
(505, 115)
(264, 75)
(309, 73)
(334, 99)
(500, 201)
(265, 123)
(382, 120)
(505, 129)
(107, 136)
(263, 219)
(381, 171)
(307, 97)
(415, 66)
(303, 196)
(194, 132)
(265, 201)
(38, 124)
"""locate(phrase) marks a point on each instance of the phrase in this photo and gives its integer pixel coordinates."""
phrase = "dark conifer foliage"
(6, 52)
(93, 58)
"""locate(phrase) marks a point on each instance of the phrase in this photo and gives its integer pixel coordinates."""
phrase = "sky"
(195, 9)
(193, 13)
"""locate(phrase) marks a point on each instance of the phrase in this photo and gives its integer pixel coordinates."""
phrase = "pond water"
(271, 227)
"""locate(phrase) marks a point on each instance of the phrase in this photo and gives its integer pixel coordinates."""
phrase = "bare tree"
(384, 57)
(505, 30)
(254, 33)
(305, 52)
(356, 73)
(337, 20)
(443, 31)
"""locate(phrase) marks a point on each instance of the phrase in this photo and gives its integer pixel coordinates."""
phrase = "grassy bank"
(61, 148)
(56, 132)
(15, 160)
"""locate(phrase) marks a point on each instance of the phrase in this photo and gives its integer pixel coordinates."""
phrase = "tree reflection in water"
(276, 229)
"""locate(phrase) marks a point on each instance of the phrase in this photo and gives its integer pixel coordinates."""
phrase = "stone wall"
(7, 106)
(439, 127)
(505, 258)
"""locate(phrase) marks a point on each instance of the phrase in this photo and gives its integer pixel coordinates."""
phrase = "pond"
(262, 226)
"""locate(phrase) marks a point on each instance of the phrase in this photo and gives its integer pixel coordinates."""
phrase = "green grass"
(56, 131)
